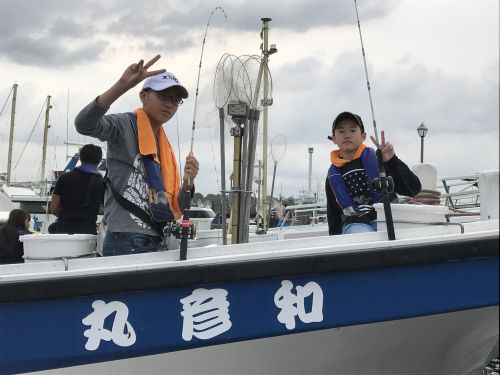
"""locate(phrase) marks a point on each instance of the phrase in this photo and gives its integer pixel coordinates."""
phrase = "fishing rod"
(186, 226)
(366, 74)
(199, 72)
(383, 184)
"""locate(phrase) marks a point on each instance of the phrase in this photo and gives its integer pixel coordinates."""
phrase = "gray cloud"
(57, 32)
(48, 52)
(291, 15)
(172, 23)
(39, 17)
(49, 33)
(70, 29)
(308, 95)
(446, 103)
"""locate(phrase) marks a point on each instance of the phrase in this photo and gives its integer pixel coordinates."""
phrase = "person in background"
(78, 194)
(145, 190)
(349, 192)
(273, 218)
(11, 249)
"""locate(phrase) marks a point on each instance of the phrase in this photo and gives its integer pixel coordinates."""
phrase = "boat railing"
(461, 193)
(307, 214)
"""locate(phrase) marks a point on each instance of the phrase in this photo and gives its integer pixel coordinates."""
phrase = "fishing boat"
(35, 204)
(201, 217)
(297, 301)
(35, 200)
(6, 205)
(314, 304)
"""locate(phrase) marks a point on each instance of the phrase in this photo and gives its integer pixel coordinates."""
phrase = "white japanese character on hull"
(122, 332)
(293, 305)
(205, 313)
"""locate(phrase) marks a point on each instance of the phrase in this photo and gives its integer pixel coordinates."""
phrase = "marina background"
(429, 62)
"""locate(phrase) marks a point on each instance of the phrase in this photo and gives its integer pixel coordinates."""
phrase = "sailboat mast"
(11, 136)
(45, 133)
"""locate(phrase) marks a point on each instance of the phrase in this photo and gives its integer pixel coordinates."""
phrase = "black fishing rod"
(199, 72)
(185, 226)
(383, 184)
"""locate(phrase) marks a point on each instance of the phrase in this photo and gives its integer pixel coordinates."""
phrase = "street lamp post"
(422, 131)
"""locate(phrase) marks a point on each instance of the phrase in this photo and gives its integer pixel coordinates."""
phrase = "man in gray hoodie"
(161, 96)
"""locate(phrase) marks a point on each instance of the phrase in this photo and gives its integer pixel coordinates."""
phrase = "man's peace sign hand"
(137, 72)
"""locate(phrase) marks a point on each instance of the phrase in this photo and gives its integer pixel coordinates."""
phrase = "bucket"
(43, 247)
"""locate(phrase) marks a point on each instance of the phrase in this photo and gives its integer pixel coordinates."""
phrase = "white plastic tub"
(411, 215)
(43, 247)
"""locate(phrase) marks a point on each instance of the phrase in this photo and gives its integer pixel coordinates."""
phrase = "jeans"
(352, 228)
(125, 243)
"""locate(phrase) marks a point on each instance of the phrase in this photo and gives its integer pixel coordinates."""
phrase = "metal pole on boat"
(278, 149)
(236, 187)
(11, 134)
(272, 192)
(252, 144)
(223, 178)
(254, 104)
(44, 149)
(265, 57)
(259, 201)
(244, 153)
(239, 112)
(243, 174)
(383, 182)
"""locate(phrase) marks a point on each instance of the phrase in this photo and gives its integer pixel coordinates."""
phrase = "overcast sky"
(435, 62)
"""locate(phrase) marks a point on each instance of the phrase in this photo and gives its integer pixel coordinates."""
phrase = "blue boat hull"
(47, 333)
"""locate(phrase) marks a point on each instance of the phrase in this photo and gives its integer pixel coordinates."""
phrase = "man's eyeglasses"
(166, 97)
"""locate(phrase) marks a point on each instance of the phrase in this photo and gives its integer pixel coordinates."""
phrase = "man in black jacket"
(78, 194)
(349, 192)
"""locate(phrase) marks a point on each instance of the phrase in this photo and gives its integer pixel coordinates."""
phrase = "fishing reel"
(174, 229)
(382, 185)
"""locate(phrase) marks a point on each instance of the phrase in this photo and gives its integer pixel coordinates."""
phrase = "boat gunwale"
(189, 273)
